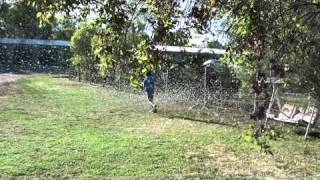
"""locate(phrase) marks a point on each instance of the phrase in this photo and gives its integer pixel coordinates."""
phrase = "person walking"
(149, 87)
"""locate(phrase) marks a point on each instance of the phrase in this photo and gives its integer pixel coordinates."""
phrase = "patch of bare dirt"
(6, 85)
(6, 88)
(8, 77)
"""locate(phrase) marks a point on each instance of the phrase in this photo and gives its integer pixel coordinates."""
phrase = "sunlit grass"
(57, 128)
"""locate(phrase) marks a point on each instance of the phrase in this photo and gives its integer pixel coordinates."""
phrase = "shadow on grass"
(61, 76)
(313, 133)
(188, 118)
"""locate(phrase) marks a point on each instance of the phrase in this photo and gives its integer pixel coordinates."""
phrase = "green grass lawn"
(53, 127)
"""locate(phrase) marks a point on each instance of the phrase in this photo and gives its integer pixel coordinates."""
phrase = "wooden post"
(308, 127)
(167, 79)
(79, 73)
(309, 123)
(205, 78)
(278, 99)
(205, 84)
(255, 102)
(274, 89)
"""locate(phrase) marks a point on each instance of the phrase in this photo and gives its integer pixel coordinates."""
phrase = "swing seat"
(286, 119)
(287, 113)
(310, 115)
(292, 114)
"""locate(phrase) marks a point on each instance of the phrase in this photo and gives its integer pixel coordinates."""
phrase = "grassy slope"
(57, 128)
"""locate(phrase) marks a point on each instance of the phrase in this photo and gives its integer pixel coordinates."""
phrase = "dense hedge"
(34, 58)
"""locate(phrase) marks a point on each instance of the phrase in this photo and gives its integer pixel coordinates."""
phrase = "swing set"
(298, 113)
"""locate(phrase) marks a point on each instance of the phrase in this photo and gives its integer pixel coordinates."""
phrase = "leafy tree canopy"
(214, 44)
(259, 30)
(19, 19)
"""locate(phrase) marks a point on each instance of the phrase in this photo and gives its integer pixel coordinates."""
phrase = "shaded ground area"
(63, 129)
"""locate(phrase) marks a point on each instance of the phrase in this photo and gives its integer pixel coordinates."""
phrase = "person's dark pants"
(150, 95)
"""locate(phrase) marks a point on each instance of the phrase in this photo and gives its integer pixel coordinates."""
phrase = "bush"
(33, 58)
(82, 56)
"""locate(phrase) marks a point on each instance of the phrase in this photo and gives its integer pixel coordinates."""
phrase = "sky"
(202, 39)
(197, 40)
(216, 28)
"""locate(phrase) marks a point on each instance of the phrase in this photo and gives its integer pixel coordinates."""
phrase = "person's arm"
(154, 81)
(144, 83)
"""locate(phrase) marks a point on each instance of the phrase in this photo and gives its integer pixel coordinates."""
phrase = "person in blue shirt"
(149, 87)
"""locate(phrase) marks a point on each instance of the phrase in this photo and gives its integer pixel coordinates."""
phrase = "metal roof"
(34, 42)
(177, 49)
(173, 49)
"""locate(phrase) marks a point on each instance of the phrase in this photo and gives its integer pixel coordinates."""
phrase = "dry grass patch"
(11, 129)
(170, 126)
(7, 88)
(69, 83)
(254, 164)
(233, 164)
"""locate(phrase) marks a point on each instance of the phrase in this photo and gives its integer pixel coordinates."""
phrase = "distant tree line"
(19, 19)
(30, 58)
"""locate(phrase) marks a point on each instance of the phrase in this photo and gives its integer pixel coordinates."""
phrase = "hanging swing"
(288, 112)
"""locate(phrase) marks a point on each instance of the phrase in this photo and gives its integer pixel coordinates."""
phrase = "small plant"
(306, 150)
(260, 142)
(273, 133)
